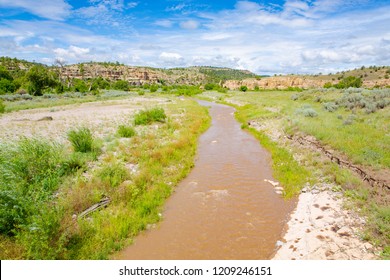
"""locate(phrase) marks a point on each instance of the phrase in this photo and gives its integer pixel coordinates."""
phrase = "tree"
(39, 79)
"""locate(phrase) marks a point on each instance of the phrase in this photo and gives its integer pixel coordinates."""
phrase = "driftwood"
(102, 203)
(362, 173)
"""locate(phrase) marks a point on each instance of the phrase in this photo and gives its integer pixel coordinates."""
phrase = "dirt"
(54, 123)
(321, 229)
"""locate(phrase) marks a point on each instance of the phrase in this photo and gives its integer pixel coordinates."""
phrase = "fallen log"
(102, 203)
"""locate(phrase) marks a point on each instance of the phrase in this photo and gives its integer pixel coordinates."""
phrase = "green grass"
(126, 131)
(81, 139)
(146, 117)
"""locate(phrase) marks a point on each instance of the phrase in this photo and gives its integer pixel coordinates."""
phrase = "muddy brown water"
(224, 209)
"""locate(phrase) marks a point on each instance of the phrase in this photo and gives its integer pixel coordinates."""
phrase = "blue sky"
(266, 37)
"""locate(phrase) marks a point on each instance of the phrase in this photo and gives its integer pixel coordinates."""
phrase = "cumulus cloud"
(171, 59)
(72, 52)
(50, 9)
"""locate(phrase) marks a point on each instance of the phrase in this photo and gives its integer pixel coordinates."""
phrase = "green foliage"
(153, 88)
(121, 85)
(349, 81)
(113, 174)
(187, 90)
(2, 106)
(29, 173)
(81, 140)
(328, 85)
(5, 74)
(99, 83)
(149, 116)
(215, 74)
(126, 131)
(243, 88)
(39, 79)
(80, 85)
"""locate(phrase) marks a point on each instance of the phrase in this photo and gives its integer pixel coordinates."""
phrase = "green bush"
(153, 88)
(81, 140)
(294, 97)
(2, 106)
(80, 85)
(126, 131)
(121, 85)
(243, 88)
(328, 85)
(149, 116)
(348, 82)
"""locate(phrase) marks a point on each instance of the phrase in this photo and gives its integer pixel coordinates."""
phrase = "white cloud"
(178, 7)
(132, 4)
(164, 23)
(50, 9)
(72, 52)
(172, 59)
(189, 24)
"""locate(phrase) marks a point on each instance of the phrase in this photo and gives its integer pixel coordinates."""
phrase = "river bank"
(320, 228)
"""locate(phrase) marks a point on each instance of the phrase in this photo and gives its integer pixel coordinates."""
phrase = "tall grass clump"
(81, 139)
(149, 116)
(126, 131)
(330, 106)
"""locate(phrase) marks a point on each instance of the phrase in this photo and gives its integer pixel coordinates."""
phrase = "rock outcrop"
(275, 83)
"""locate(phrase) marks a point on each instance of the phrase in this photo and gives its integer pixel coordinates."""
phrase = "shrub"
(349, 81)
(126, 131)
(81, 139)
(2, 106)
(307, 111)
(310, 112)
(113, 174)
(148, 116)
(294, 97)
(121, 85)
(243, 88)
(328, 85)
(153, 88)
(330, 106)
(349, 120)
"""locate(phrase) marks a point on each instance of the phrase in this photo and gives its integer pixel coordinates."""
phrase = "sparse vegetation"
(146, 117)
(126, 131)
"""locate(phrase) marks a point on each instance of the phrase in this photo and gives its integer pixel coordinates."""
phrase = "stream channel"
(223, 209)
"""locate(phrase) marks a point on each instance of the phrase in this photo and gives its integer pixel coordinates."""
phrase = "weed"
(113, 174)
(149, 116)
(81, 139)
(126, 131)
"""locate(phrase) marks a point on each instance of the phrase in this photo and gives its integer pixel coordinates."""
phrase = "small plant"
(81, 139)
(294, 97)
(126, 131)
(349, 120)
(149, 116)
